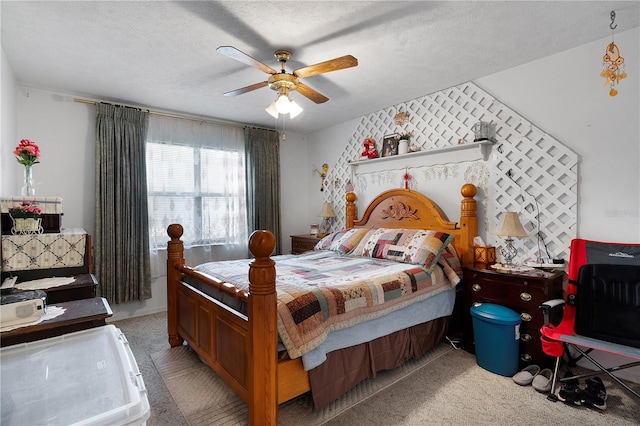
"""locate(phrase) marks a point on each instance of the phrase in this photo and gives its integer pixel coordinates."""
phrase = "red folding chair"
(601, 312)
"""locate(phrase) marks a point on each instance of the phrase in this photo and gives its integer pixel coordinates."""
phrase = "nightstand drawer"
(519, 295)
(303, 243)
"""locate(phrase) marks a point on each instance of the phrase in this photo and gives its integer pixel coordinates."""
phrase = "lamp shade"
(294, 109)
(283, 104)
(327, 210)
(271, 109)
(511, 226)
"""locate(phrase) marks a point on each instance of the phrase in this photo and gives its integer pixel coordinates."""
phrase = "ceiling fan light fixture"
(271, 109)
(295, 109)
(283, 103)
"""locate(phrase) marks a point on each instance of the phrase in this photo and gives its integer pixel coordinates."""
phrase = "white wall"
(7, 122)
(65, 132)
(296, 176)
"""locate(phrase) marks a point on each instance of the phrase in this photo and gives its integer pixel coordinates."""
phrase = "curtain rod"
(181, 117)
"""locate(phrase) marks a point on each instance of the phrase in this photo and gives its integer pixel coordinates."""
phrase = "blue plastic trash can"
(496, 330)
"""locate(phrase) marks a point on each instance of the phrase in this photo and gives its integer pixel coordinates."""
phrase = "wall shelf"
(472, 151)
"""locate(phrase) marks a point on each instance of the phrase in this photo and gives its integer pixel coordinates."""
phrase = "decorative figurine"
(370, 150)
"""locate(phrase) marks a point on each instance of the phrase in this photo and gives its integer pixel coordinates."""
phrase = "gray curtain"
(263, 181)
(122, 238)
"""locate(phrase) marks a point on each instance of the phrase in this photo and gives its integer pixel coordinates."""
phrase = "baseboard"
(124, 313)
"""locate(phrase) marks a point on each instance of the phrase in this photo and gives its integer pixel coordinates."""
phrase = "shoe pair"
(532, 375)
(593, 395)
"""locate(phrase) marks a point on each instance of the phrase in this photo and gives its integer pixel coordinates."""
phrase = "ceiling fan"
(283, 82)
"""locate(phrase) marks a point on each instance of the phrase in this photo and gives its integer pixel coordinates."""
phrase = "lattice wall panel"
(529, 171)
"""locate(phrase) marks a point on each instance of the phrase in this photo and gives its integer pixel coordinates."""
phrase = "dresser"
(522, 292)
(83, 287)
(78, 315)
(302, 243)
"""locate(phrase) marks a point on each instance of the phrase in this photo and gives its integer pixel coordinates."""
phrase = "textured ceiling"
(162, 55)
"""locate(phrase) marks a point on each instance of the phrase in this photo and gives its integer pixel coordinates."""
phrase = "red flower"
(27, 152)
(25, 210)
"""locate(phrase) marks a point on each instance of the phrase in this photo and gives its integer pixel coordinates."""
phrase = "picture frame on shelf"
(389, 146)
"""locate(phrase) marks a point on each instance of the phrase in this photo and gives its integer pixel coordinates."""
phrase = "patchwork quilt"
(324, 290)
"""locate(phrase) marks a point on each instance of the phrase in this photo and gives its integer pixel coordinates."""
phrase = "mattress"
(323, 292)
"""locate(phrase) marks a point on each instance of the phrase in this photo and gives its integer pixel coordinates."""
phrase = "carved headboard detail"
(399, 210)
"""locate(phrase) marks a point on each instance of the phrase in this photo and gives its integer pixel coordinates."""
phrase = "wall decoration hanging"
(612, 62)
(322, 174)
(406, 177)
(401, 118)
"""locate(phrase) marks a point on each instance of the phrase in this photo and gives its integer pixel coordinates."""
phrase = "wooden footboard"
(241, 349)
(242, 353)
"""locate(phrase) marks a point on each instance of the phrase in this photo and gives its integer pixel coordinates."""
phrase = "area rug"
(204, 399)
(445, 387)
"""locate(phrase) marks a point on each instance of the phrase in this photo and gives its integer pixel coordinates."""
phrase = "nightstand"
(302, 243)
(523, 292)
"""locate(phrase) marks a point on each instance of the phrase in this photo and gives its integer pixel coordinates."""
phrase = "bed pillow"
(342, 241)
(416, 246)
(377, 241)
(426, 247)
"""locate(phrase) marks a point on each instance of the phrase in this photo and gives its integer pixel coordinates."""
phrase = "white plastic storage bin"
(89, 377)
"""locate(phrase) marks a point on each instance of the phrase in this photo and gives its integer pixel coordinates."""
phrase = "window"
(200, 186)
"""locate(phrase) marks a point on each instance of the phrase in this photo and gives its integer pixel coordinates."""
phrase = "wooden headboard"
(404, 208)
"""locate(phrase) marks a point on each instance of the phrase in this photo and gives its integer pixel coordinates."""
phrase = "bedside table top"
(306, 236)
(533, 273)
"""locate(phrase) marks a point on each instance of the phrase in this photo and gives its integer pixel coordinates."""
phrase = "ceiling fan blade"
(308, 92)
(336, 64)
(236, 54)
(246, 89)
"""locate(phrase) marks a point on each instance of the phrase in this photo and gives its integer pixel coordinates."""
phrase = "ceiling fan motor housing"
(283, 80)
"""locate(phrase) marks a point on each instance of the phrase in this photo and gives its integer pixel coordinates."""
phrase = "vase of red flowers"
(27, 153)
(26, 218)
(28, 187)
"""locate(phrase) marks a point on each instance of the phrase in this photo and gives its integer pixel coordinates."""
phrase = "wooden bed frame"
(241, 349)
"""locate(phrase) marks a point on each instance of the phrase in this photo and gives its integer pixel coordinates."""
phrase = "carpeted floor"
(204, 399)
(446, 387)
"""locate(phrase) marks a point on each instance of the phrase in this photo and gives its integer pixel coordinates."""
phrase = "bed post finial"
(351, 209)
(175, 257)
(263, 332)
(468, 222)
(468, 206)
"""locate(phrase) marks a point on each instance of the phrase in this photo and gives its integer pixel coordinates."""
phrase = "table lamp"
(511, 227)
(327, 214)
